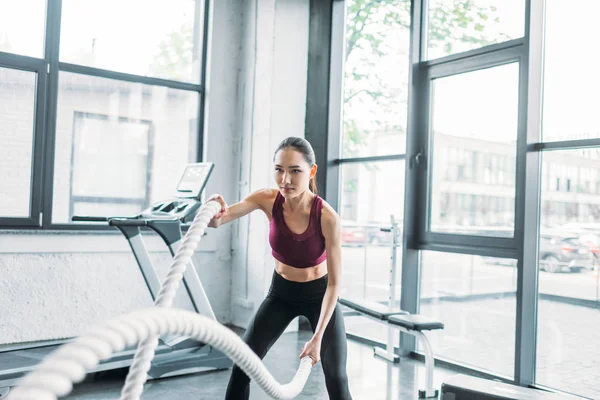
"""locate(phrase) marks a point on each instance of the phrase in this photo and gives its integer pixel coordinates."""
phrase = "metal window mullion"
(318, 83)
(122, 76)
(528, 195)
(413, 174)
(200, 156)
(49, 137)
(484, 251)
(456, 239)
(370, 159)
(17, 61)
(493, 48)
(18, 222)
(336, 103)
(471, 64)
(564, 145)
(37, 146)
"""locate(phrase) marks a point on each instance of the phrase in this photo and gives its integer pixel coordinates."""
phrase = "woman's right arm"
(253, 201)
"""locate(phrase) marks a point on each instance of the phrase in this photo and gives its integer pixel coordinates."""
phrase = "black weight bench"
(370, 308)
(415, 325)
(404, 322)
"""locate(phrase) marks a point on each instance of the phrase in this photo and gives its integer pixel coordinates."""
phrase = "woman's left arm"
(330, 226)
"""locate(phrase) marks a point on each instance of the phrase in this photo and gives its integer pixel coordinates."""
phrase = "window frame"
(143, 202)
(38, 67)
(46, 103)
(487, 60)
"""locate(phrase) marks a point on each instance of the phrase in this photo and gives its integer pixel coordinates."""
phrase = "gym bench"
(412, 324)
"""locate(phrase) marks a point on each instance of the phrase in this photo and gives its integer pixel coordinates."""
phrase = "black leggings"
(287, 300)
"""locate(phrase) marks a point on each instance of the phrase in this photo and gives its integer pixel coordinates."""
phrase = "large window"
(122, 143)
(475, 297)
(22, 26)
(497, 132)
(569, 203)
(569, 283)
(105, 124)
(376, 78)
(456, 26)
(372, 193)
(17, 114)
(373, 147)
(570, 107)
(474, 123)
(149, 38)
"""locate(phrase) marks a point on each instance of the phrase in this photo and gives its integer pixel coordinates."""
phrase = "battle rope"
(69, 364)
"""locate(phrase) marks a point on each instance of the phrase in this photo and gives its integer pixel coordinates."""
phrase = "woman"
(305, 240)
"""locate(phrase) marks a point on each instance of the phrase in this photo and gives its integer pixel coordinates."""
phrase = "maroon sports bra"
(303, 250)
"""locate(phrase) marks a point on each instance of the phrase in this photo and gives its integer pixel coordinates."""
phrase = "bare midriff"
(301, 274)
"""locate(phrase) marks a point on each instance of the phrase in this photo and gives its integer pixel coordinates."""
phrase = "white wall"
(273, 95)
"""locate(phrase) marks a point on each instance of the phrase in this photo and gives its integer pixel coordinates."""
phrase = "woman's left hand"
(312, 348)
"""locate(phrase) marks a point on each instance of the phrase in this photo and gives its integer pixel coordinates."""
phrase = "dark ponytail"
(303, 146)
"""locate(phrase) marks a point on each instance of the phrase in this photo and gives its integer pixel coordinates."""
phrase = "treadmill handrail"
(127, 222)
(89, 218)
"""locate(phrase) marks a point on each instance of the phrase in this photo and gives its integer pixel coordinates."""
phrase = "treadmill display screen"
(193, 180)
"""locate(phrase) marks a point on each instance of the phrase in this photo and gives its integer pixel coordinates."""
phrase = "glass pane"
(17, 114)
(119, 146)
(569, 283)
(371, 192)
(151, 38)
(475, 298)
(455, 26)
(569, 105)
(376, 78)
(474, 124)
(23, 27)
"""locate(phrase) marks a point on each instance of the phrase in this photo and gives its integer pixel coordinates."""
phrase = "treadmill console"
(187, 197)
(193, 180)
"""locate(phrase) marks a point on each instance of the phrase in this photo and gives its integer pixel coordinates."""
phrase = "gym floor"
(370, 377)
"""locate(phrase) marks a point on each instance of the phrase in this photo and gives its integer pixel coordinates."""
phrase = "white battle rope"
(68, 365)
(55, 376)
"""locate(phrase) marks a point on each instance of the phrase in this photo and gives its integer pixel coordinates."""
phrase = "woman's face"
(292, 173)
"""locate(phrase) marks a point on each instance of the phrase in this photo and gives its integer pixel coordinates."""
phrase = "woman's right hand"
(214, 222)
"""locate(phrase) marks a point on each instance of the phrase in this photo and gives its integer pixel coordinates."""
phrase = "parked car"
(377, 237)
(567, 253)
(592, 241)
(363, 234)
(353, 234)
(558, 253)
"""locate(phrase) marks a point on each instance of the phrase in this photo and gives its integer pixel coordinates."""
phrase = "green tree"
(371, 35)
(174, 57)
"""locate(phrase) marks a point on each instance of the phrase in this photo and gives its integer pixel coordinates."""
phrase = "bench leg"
(388, 353)
(429, 366)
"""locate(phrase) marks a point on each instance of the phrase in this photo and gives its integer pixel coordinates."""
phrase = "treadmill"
(175, 355)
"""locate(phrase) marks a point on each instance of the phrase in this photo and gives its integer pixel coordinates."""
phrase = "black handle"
(89, 218)
(127, 222)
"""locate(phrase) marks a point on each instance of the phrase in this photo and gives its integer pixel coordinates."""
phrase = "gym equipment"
(464, 387)
(175, 355)
(388, 353)
(398, 320)
(56, 375)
